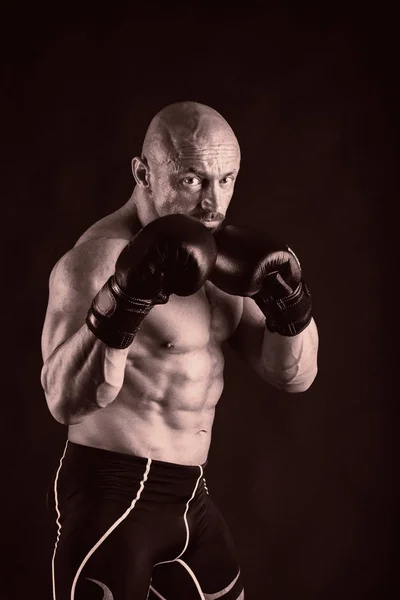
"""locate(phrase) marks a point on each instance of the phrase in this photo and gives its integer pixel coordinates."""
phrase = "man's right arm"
(102, 290)
(80, 374)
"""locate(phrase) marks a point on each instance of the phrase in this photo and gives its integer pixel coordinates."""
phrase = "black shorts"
(132, 528)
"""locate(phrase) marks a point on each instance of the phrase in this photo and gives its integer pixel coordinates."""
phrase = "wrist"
(288, 315)
(115, 317)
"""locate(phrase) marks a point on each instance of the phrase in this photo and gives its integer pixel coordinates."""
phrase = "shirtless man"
(138, 310)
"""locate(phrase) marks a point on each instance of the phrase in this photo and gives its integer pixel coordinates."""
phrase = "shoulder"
(86, 266)
(77, 277)
(74, 281)
(121, 224)
(93, 257)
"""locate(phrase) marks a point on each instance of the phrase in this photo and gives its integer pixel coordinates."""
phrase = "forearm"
(290, 362)
(81, 376)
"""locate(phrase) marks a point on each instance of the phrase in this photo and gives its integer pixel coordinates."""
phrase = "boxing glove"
(171, 255)
(251, 264)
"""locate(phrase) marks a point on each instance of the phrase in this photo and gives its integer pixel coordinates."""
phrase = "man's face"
(198, 181)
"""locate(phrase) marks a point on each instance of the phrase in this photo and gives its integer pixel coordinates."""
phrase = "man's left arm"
(288, 363)
(276, 334)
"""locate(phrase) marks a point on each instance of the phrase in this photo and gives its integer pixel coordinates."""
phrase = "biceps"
(58, 327)
(65, 315)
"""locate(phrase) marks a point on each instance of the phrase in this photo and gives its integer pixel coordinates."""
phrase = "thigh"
(177, 581)
(102, 553)
(209, 568)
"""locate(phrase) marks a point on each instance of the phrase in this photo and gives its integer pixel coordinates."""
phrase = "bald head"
(189, 164)
(178, 127)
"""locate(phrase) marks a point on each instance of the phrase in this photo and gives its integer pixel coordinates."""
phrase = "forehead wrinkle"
(195, 132)
(204, 174)
(208, 168)
(220, 158)
(225, 149)
(208, 160)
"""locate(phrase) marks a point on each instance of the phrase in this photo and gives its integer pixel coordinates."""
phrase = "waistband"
(108, 472)
(101, 456)
(96, 467)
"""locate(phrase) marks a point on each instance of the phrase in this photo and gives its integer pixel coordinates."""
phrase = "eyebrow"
(202, 173)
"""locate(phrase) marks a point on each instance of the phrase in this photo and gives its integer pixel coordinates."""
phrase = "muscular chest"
(187, 324)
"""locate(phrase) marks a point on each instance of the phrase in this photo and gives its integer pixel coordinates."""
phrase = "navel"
(168, 344)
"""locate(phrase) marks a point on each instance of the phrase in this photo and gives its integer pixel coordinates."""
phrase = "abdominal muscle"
(165, 409)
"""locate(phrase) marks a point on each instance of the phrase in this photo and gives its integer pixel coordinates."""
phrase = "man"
(133, 365)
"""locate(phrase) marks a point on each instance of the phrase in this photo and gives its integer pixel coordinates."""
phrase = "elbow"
(302, 384)
(56, 401)
(48, 389)
(56, 409)
(59, 415)
(295, 388)
(69, 404)
(60, 412)
(298, 384)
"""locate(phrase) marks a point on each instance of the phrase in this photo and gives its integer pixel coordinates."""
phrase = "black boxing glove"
(251, 264)
(171, 255)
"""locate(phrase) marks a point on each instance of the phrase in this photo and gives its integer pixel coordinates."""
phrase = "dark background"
(307, 482)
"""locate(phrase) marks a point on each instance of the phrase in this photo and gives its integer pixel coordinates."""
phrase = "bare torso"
(173, 376)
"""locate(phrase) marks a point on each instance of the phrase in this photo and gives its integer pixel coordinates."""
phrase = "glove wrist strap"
(288, 315)
(115, 317)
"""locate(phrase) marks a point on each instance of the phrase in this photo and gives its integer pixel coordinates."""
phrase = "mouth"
(207, 222)
(210, 224)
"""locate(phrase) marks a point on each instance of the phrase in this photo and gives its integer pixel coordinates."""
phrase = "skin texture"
(188, 165)
(157, 398)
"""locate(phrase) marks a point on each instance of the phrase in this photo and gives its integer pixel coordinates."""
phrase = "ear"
(140, 170)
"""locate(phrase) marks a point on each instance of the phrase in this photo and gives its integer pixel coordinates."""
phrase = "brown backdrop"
(306, 482)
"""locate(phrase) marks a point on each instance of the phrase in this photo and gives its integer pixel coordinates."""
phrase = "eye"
(227, 180)
(191, 181)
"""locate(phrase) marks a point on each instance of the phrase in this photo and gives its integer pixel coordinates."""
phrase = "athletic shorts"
(133, 528)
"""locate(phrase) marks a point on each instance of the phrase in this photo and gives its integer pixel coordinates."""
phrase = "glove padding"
(251, 264)
(173, 254)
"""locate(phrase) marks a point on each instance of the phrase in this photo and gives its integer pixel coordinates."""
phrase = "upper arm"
(74, 281)
(247, 339)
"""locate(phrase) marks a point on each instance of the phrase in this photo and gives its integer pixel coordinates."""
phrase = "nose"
(211, 200)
